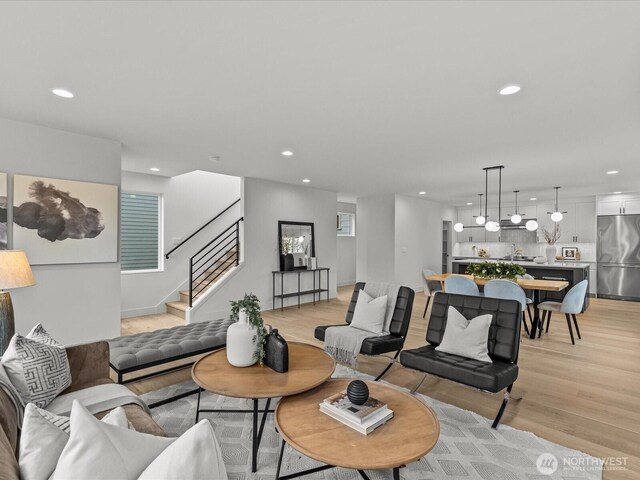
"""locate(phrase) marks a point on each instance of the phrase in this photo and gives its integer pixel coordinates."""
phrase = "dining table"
(536, 285)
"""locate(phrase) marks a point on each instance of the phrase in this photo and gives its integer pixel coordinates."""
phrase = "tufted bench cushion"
(147, 349)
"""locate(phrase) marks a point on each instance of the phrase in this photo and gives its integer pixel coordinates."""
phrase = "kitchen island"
(573, 272)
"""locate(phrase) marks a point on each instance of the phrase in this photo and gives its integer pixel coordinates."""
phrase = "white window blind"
(139, 231)
(346, 224)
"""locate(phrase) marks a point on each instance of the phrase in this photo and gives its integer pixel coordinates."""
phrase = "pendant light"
(458, 227)
(531, 225)
(516, 218)
(493, 226)
(480, 219)
(557, 215)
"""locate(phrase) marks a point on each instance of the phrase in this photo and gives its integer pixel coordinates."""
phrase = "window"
(346, 224)
(140, 230)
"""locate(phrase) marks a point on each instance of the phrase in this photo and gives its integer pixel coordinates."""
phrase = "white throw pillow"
(37, 366)
(195, 455)
(44, 436)
(103, 452)
(369, 313)
(467, 338)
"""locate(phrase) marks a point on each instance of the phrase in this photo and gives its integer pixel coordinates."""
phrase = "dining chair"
(460, 285)
(430, 287)
(529, 294)
(571, 305)
(508, 290)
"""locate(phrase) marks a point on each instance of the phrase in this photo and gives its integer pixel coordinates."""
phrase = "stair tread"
(177, 305)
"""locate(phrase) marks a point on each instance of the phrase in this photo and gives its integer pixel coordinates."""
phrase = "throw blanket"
(8, 388)
(344, 343)
(96, 399)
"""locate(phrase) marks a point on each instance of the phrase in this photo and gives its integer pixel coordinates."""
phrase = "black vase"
(288, 262)
(358, 392)
(276, 352)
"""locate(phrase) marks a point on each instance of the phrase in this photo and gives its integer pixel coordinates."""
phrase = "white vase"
(550, 253)
(241, 342)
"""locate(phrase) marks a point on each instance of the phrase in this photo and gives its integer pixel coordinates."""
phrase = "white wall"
(189, 201)
(347, 250)
(418, 237)
(375, 239)
(264, 203)
(75, 303)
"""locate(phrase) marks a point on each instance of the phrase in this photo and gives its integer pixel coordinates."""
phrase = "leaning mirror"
(296, 245)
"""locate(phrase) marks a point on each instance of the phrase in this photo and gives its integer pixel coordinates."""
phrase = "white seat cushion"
(550, 306)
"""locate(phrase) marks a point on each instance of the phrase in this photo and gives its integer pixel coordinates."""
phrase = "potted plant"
(551, 238)
(495, 270)
(245, 338)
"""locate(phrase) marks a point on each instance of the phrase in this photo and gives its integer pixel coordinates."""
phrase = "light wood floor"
(586, 397)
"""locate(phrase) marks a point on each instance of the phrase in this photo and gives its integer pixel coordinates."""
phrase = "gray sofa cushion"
(161, 345)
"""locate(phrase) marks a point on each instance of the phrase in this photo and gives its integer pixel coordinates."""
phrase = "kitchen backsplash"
(501, 249)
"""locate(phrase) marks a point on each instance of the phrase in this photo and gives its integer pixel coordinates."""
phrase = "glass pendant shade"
(458, 227)
(556, 216)
(516, 219)
(531, 225)
(480, 220)
(492, 226)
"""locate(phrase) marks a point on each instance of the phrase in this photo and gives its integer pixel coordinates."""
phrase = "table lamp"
(15, 272)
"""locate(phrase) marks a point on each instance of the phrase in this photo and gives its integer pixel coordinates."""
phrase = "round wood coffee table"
(309, 367)
(407, 437)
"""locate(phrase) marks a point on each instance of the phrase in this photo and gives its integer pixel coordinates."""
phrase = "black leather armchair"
(503, 346)
(394, 342)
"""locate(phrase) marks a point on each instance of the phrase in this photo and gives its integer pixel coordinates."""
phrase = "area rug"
(468, 448)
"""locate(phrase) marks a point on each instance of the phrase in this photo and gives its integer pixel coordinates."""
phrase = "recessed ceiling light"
(612, 172)
(617, 193)
(422, 193)
(154, 169)
(533, 198)
(305, 180)
(509, 90)
(287, 153)
(469, 203)
(61, 92)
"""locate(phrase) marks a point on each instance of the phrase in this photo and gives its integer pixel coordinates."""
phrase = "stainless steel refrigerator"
(618, 252)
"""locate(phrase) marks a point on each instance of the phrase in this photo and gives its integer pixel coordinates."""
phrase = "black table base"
(256, 433)
(396, 470)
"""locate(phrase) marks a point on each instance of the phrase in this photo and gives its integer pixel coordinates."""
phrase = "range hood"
(509, 225)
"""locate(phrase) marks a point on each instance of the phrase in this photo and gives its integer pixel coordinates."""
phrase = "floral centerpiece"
(551, 237)
(495, 270)
(246, 312)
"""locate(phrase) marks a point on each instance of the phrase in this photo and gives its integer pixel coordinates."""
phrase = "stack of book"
(362, 418)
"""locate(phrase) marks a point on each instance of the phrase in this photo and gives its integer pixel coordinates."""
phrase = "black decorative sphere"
(358, 392)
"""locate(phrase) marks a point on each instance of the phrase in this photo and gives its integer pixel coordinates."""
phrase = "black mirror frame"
(305, 224)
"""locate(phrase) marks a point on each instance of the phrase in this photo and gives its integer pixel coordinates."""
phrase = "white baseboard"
(139, 312)
(344, 283)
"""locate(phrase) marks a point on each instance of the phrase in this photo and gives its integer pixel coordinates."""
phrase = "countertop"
(559, 265)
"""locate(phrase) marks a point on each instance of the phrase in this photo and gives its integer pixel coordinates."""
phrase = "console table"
(317, 285)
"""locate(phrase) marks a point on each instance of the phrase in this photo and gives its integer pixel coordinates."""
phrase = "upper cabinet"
(585, 222)
(466, 217)
(619, 205)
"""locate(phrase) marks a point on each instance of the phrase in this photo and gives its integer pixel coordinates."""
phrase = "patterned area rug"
(467, 449)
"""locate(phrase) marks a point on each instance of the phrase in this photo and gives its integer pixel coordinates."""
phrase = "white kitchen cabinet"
(619, 205)
(609, 207)
(631, 206)
(585, 222)
(466, 217)
(567, 225)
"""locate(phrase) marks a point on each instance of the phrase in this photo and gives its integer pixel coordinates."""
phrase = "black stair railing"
(214, 260)
(166, 255)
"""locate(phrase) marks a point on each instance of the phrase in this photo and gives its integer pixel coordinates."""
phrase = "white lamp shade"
(458, 227)
(516, 218)
(492, 226)
(531, 225)
(15, 271)
(556, 216)
(480, 220)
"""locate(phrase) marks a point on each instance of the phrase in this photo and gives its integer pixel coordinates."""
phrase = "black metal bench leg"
(505, 400)
(382, 374)
(575, 322)
(573, 342)
(426, 306)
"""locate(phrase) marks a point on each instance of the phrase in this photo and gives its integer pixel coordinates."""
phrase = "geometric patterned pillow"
(38, 367)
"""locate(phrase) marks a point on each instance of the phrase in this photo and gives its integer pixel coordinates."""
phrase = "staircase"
(208, 266)
(222, 266)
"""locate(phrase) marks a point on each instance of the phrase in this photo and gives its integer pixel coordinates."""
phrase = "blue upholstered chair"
(507, 290)
(529, 295)
(460, 285)
(430, 287)
(571, 304)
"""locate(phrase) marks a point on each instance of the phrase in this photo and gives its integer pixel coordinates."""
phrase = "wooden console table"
(317, 286)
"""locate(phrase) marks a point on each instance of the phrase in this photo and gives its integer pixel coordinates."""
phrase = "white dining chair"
(430, 287)
(571, 305)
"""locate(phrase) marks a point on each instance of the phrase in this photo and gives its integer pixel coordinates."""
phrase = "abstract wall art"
(4, 206)
(64, 221)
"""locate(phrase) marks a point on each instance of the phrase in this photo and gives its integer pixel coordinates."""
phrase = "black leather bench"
(503, 346)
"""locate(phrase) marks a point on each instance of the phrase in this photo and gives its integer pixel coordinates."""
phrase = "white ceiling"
(371, 96)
